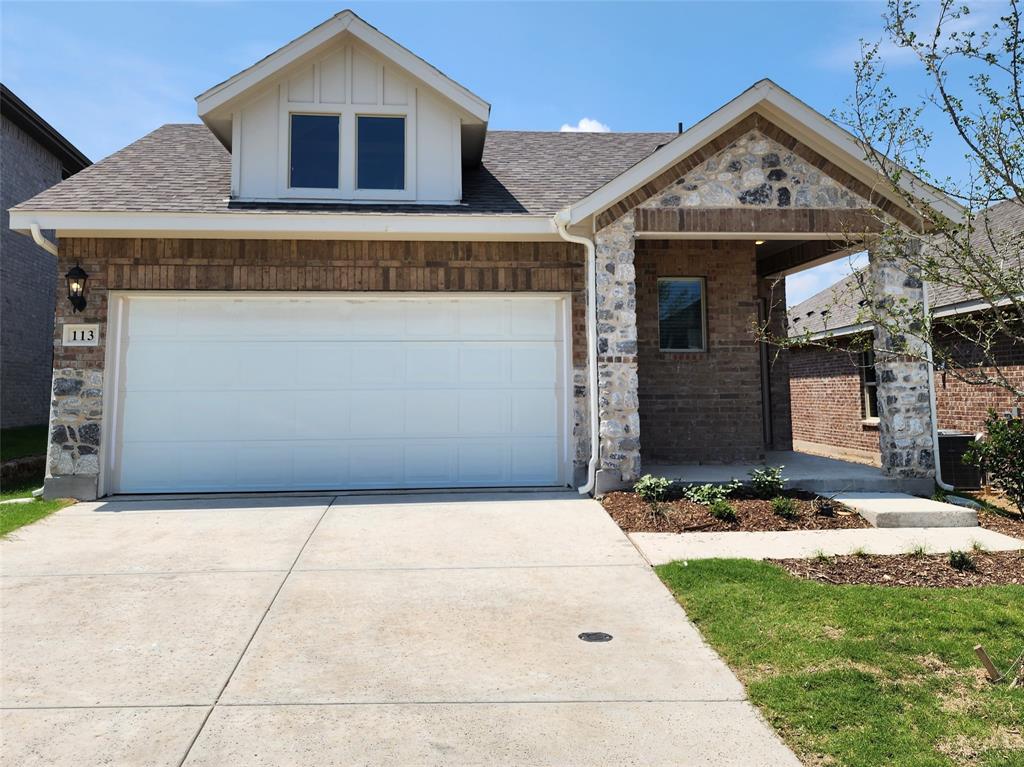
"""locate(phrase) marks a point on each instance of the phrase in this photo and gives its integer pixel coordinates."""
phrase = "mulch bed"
(992, 568)
(634, 515)
(1007, 523)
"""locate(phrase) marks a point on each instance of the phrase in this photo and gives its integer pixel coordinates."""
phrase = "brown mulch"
(1007, 523)
(993, 568)
(634, 515)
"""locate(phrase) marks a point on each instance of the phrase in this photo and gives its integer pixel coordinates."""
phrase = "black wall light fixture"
(76, 277)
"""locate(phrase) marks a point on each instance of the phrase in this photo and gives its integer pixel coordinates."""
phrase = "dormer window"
(314, 151)
(380, 152)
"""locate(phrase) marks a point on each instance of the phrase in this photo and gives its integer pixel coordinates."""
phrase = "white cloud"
(586, 125)
(803, 285)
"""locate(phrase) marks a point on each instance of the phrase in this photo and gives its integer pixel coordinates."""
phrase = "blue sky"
(104, 74)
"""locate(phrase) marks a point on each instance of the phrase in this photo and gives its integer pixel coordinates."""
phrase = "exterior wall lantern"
(76, 277)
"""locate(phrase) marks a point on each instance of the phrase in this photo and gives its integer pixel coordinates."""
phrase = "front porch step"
(903, 510)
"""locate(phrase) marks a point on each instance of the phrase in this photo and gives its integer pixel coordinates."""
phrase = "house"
(34, 158)
(846, 378)
(342, 279)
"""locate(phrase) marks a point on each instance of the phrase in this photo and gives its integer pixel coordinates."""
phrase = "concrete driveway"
(401, 630)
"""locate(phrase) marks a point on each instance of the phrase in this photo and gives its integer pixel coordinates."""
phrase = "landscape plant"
(708, 494)
(723, 511)
(767, 481)
(784, 507)
(652, 489)
(1000, 454)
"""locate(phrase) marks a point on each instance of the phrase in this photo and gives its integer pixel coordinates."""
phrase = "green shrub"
(962, 561)
(652, 489)
(784, 507)
(723, 510)
(1001, 456)
(767, 481)
(709, 494)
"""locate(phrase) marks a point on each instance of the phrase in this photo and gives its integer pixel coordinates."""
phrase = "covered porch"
(802, 471)
(690, 264)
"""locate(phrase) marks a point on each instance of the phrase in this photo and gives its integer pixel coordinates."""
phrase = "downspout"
(931, 394)
(561, 220)
(42, 242)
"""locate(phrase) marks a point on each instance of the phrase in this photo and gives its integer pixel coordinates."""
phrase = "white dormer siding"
(347, 81)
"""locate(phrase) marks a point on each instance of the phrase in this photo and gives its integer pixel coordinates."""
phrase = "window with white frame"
(869, 385)
(314, 151)
(380, 152)
(682, 321)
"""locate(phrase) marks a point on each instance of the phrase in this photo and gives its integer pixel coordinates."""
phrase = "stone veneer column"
(618, 400)
(904, 407)
(76, 412)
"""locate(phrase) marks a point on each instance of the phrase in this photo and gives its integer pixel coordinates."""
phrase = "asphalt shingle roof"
(838, 305)
(183, 168)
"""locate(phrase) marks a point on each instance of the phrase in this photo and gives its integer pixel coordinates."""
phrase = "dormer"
(344, 114)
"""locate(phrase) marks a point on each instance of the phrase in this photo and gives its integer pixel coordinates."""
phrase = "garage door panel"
(483, 365)
(534, 413)
(378, 364)
(484, 411)
(430, 463)
(484, 463)
(379, 413)
(431, 364)
(534, 364)
(533, 462)
(431, 412)
(274, 393)
(320, 465)
(206, 466)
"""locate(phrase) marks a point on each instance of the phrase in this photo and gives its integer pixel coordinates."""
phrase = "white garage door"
(307, 392)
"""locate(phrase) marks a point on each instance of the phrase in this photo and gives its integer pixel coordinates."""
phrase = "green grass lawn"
(15, 515)
(23, 441)
(865, 675)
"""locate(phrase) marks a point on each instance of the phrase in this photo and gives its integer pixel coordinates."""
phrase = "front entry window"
(681, 314)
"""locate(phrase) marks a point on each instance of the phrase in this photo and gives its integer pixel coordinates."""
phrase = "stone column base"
(608, 481)
(83, 487)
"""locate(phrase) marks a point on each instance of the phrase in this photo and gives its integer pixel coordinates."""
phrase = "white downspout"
(561, 219)
(931, 395)
(42, 242)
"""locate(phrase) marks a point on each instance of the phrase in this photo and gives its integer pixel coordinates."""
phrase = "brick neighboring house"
(342, 279)
(33, 157)
(833, 403)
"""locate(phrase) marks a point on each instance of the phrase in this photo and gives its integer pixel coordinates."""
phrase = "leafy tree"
(973, 65)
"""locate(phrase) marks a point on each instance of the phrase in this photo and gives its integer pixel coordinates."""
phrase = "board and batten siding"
(347, 80)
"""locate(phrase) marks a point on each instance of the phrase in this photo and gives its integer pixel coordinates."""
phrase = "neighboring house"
(342, 279)
(33, 157)
(846, 383)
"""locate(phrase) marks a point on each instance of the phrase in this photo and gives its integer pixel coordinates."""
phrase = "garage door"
(298, 393)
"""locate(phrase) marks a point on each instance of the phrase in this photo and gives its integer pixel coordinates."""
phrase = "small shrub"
(824, 507)
(723, 511)
(767, 481)
(962, 561)
(1001, 456)
(706, 495)
(919, 551)
(978, 546)
(652, 489)
(784, 507)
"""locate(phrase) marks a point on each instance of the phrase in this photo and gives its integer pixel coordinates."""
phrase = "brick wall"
(826, 401)
(964, 407)
(27, 274)
(308, 265)
(773, 295)
(700, 406)
(827, 411)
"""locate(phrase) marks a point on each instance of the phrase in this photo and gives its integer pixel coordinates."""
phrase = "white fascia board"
(846, 330)
(818, 132)
(285, 225)
(230, 89)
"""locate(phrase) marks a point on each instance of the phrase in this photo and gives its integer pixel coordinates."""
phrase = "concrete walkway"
(661, 548)
(405, 631)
